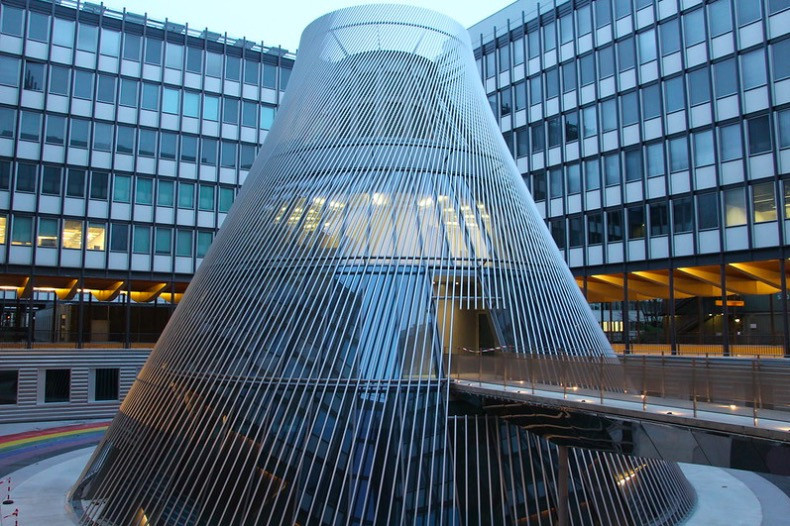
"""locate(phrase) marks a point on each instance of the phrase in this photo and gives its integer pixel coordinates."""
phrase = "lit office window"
(636, 222)
(22, 231)
(144, 191)
(759, 135)
(110, 43)
(763, 202)
(47, 233)
(734, 207)
(141, 242)
(9, 71)
(34, 76)
(682, 215)
(730, 146)
(164, 241)
(753, 69)
(72, 234)
(56, 130)
(122, 189)
(3, 228)
(184, 243)
(719, 17)
(119, 238)
(659, 219)
(592, 174)
(87, 37)
(97, 236)
(50, 180)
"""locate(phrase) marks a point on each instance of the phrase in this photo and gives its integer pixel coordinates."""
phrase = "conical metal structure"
(383, 229)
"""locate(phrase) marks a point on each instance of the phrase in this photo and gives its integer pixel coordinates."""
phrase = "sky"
(280, 22)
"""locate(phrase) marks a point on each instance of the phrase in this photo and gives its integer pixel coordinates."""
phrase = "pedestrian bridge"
(725, 412)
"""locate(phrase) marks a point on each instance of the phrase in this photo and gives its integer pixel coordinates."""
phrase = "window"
(248, 114)
(590, 123)
(571, 126)
(670, 37)
(165, 193)
(150, 97)
(167, 148)
(779, 53)
(34, 76)
(63, 32)
(99, 185)
(774, 6)
(174, 55)
(50, 180)
(587, 69)
(552, 83)
(230, 111)
(678, 155)
(533, 42)
(539, 186)
(285, 74)
(141, 243)
(622, 8)
(11, 20)
(575, 232)
(724, 78)
(763, 202)
(554, 133)
(786, 185)
(558, 232)
(747, 12)
(655, 159)
(734, 207)
(592, 174)
(694, 27)
(213, 64)
(146, 146)
(57, 385)
(659, 219)
(153, 51)
(83, 84)
(25, 177)
(203, 243)
(703, 148)
(7, 123)
(9, 70)
(759, 135)
(673, 94)
(566, 28)
(614, 226)
(629, 107)
(208, 152)
(171, 100)
(584, 20)
(194, 60)
(708, 211)
(105, 384)
(699, 86)
(72, 234)
(606, 62)
(75, 183)
(609, 115)
(267, 117)
(164, 241)
(56, 130)
(22, 231)
(232, 68)
(719, 17)
(626, 54)
(225, 198)
(102, 136)
(125, 140)
(188, 148)
(210, 108)
(129, 92)
(105, 90)
(269, 76)
(47, 233)
(38, 26)
(574, 179)
(80, 132)
(122, 189)
(119, 238)
(647, 46)
(206, 197)
(549, 36)
(569, 77)
(612, 169)
(753, 69)
(682, 215)
(538, 138)
(132, 45)
(186, 195)
(228, 154)
(5, 178)
(9, 380)
(247, 156)
(87, 38)
(636, 222)
(651, 102)
(535, 90)
(595, 229)
(184, 243)
(59, 80)
(97, 236)
(633, 165)
(30, 126)
(504, 57)
(730, 142)
(784, 128)
(251, 72)
(603, 13)
(144, 191)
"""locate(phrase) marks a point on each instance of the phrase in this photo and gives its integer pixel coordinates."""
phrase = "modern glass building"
(123, 142)
(655, 138)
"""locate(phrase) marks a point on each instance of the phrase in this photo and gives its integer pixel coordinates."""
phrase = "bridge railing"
(758, 388)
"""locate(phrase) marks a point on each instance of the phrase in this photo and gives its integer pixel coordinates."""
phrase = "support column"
(127, 303)
(626, 320)
(725, 322)
(562, 486)
(673, 336)
(785, 320)
(81, 313)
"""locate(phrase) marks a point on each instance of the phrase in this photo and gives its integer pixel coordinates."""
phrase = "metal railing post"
(754, 392)
(600, 377)
(480, 368)
(644, 382)
(694, 384)
(564, 379)
(532, 372)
